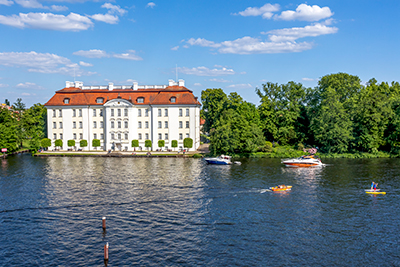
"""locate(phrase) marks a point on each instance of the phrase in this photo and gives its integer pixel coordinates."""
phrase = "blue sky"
(233, 45)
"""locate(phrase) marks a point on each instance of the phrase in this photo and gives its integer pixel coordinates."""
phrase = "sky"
(233, 45)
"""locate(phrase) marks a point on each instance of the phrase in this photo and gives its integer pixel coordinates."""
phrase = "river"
(183, 212)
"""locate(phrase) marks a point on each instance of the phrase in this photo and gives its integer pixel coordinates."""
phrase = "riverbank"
(119, 154)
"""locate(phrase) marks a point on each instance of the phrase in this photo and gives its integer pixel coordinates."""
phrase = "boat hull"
(298, 164)
(217, 162)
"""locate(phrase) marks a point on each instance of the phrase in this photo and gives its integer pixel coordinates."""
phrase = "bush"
(161, 143)
(71, 142)
(197, 155)
(147, 143)
(83, 143)
(174, 143)
(135, 143)
(96, 143)
(58, 143)
(45, 142)
(188, 143)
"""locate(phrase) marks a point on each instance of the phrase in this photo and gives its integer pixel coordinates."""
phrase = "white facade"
(119, 121)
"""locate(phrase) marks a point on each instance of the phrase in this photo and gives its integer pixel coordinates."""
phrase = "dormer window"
(100, 100)
(66, 100)
(140, 100)
(173, 99)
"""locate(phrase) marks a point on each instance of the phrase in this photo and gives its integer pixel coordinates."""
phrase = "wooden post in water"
(104, 223)
(106, 254)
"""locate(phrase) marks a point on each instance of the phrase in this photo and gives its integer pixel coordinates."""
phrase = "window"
(139, 124)
(54, 136)
(166, 136)
(94, 136)
(81, 136)
(94, 124)
(66, 100)
(146, 112)
(54, 125)
(139, 113)
(60, 125)
(74, 113)
(101, 125)
(147, 136)
(61, 136)
(54, 113)
(173, 99)
(94, 113)
(166, 124)
(140, 100)
(119, 125)
(119, 112)
(112, 136)
(180, 136)
(60, 113)
(126, 136)
(187, 112)
(166, 112)
(101, 136)
(112, 124)
(126, 124)
(146, 125)
(187, 124)
(74, 136)
(180, 125)
(159, 112)
(187, 135)
(101, 113)
(126, 112)
(159, 136)
(140, 136)
(180, 112)
(119, 136)
(159, 125)
(80, 125)
(80, 112)
(100, 100)
(112, 112)
(74, 125)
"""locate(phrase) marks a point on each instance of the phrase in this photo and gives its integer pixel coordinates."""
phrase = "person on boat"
(372, 185)
(375, 185)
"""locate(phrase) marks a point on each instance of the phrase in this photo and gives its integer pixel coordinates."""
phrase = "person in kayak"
(373, 186)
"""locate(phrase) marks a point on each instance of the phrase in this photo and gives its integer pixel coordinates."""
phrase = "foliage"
(214, 102)
(174, 143)
(188, 143)
(161, 143)
(45, 142)
(71, 142)
(96, 143)
(147, 143)
(135, 143)
(58, 143)
(197, 155)
(83, 143)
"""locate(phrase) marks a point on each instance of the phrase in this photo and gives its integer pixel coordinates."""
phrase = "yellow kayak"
(281, 188)
(375, 192)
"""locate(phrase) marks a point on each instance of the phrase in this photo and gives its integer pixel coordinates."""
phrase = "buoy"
(104, 223)
(106, 254)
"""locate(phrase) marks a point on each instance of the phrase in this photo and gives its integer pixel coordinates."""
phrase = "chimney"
(110, 86)
(181, 82)
(78, 84)
(69, 84)
(171, 82)
(135, 86)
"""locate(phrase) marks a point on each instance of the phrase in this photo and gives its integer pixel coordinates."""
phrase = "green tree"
(45, 142)
(174, 144)
(58, 143)
(8, 131)
(135, 144)
(7, 102)
(188, 143)
(96, 143)
(71, 143)
(83, 143)
(147, 144)
(214, 102)
(161, 143)
(18, 105)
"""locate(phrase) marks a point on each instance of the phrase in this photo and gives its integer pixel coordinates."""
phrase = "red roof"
(85, 97)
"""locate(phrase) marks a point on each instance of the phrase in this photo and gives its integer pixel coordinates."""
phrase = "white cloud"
(6, 2)
(305, 12)
(151, 4)
(2, 85)
(58, 8)
(114, 9)
(28, 85)
(130, 55)
(48, 21)
(107, 18)
(175, 48)
(197, 84)
(85, 64)
(309, 79)
(240, 86)
(266, 11)
(202, 42)
(29, 3)
(220, 80)
(93, 53)
(292, 34)
(41, 63)
(204, 71)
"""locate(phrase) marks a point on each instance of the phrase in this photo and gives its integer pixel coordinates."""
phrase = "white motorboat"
(221, 160)
(303, 161)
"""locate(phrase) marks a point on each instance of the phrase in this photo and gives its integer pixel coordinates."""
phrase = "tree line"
(339, 115)
(22, 128)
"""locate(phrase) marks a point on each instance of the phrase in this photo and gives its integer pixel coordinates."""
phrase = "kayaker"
(375, 185)
(372, 185)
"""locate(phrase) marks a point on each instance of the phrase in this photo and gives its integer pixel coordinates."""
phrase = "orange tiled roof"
(83, 97)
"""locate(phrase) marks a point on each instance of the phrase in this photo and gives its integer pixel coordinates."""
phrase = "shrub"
(197, 155)
(188, 143)
(161, 143)
(135, 143)
(174, 143)
(147, 143)
(96, 143)
(83, 143)
(45, 142)
(71, 142)
(58, 143)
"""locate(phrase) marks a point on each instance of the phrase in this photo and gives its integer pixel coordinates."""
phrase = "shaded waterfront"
(182, 212)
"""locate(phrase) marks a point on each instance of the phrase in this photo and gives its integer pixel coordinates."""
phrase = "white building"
(116, 115)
